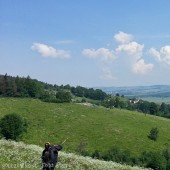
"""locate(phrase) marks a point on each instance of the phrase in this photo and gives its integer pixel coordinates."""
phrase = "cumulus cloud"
(102, 53)
(141, 68)
(50, 52)
(122, 37)
(133, 48)
(153, 52)
(163, 55)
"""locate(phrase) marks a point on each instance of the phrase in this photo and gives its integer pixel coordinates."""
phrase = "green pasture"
(94, 128)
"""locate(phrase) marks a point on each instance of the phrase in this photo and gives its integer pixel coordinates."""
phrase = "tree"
(63, 96)
(153, 109)
(117, 102)
(12, 126)
(153, 134)
(2, 85)
(143, 106)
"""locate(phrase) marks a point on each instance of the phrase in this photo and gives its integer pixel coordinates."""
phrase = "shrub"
(153, 134)
(12, 126)
(156, 161)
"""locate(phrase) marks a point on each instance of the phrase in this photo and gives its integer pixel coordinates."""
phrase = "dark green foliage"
(156, 161)
(83, 100)
(153, 109)
(63, 96)
(143, 106)
(20, 87)
(153, 134)
(109, 102)
(117, 155)
(12, 126)
(117, 102)
(88, 93)
(27, 87)
(114, 101)
(166, 154)
(96, 154)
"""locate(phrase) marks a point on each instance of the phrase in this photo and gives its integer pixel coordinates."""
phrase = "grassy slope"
(20, 156)
(101, 128)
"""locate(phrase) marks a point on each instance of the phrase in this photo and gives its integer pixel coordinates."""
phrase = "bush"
(153, 134)
(156, 161)
(12, 126)
(96, 154)
(63, 96)
(117, 155)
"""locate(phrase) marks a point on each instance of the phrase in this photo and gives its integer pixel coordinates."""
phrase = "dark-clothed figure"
(50, 156)
(46, 157)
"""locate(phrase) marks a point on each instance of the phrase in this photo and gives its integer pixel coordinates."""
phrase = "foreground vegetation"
(19, 155)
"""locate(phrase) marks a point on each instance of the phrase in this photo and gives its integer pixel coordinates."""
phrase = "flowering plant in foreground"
(17, 155)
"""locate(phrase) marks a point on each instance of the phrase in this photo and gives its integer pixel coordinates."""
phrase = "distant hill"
(139, 91)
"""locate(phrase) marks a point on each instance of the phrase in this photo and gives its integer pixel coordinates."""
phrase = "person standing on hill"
(46, 157)
(50, 156)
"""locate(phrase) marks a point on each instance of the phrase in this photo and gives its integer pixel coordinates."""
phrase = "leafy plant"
(12, 126)
(153, 134)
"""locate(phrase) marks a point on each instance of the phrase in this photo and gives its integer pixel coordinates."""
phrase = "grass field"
(20, 156)
(98, 128)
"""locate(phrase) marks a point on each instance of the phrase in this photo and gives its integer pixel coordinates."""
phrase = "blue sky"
(88, 43)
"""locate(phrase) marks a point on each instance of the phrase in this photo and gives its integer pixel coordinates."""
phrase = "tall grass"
(17, 155)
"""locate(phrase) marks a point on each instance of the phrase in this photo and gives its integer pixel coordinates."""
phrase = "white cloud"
(103, 53)
(155, 53)
(49, 52)
(122, 37)
(163, 55)
(133, 48)
(141, 68)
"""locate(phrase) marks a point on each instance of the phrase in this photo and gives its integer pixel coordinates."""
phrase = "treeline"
(27, 87)
(137, 105)
(20, 87)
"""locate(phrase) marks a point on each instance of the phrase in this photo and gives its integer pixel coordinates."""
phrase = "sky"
(91, 43)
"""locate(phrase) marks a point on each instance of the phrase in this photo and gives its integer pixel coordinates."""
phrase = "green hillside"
(95, 127)
(17, 155)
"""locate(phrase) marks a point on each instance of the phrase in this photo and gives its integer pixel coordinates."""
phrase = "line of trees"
(27, 87)
(20, 87)
(138, 105)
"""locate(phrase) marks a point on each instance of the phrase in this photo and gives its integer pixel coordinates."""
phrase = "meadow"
(93, 128)
(17, 155)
